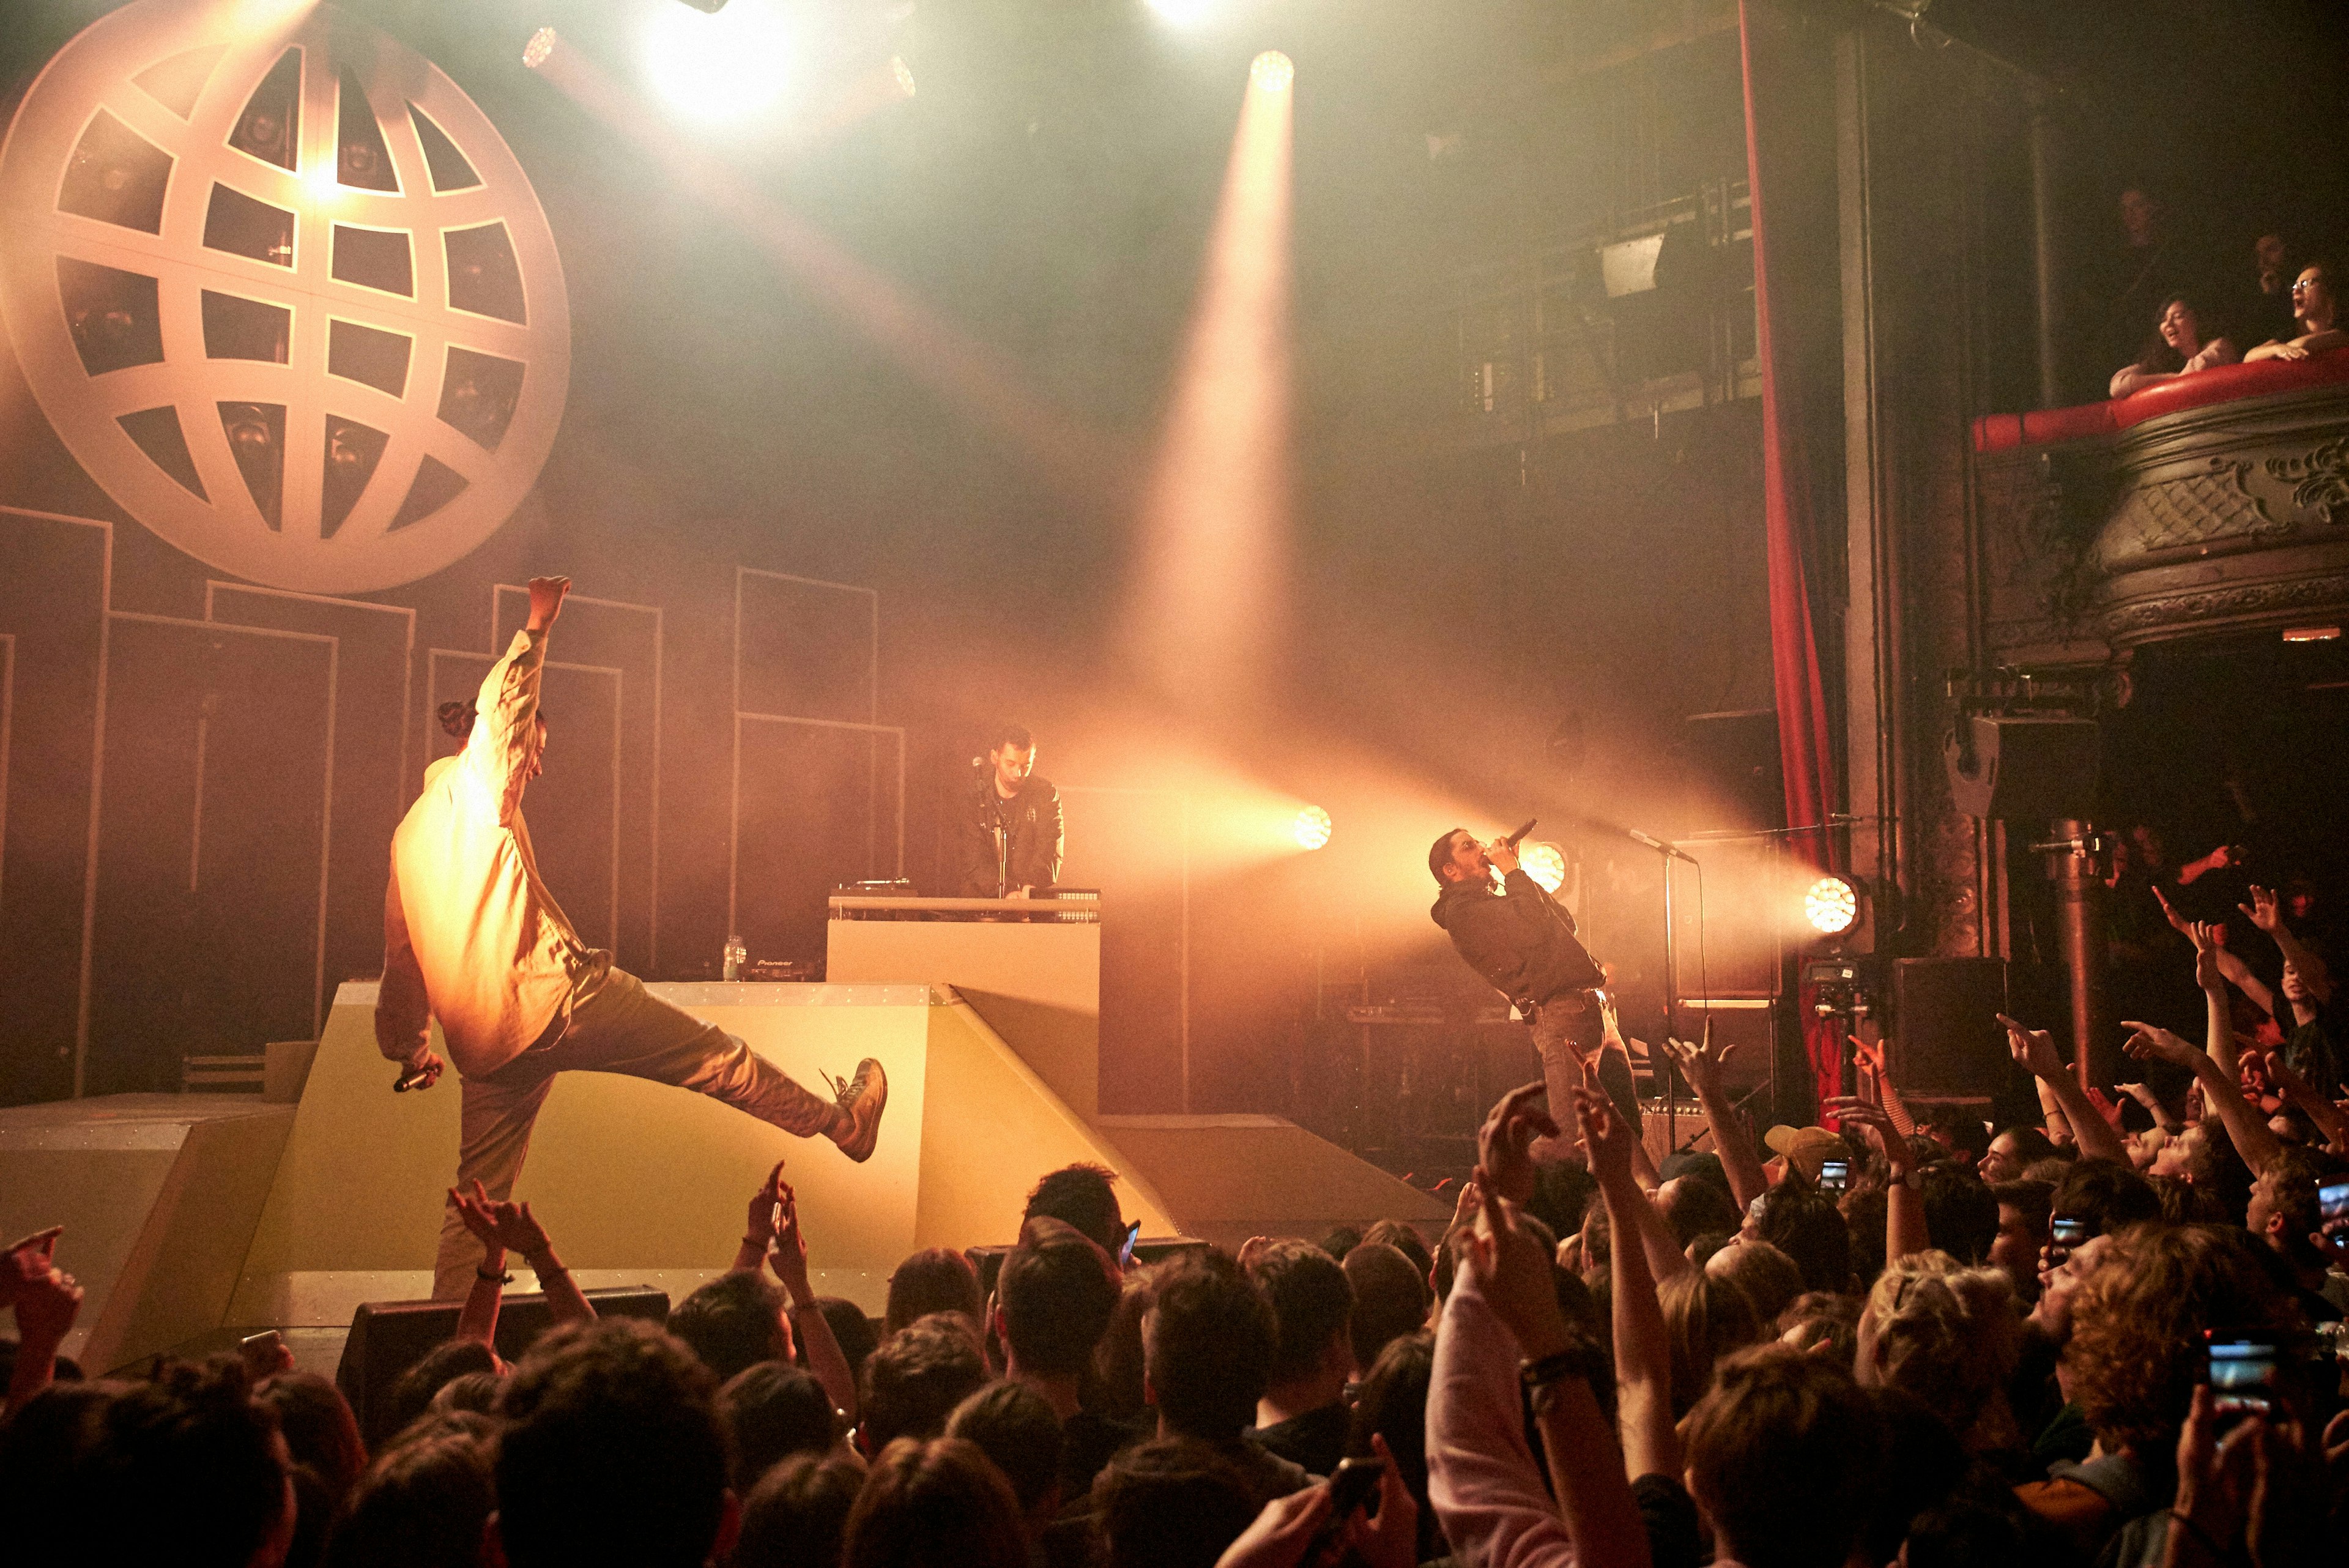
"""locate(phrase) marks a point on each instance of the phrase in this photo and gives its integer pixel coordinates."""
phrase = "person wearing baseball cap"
(1805, 1148)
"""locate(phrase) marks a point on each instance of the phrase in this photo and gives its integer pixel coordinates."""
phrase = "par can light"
(1311, 828)
(1545, 864)
(1831, 905)
(1272, 71)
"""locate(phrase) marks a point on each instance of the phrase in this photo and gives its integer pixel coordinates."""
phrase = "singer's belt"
(1564, 1001)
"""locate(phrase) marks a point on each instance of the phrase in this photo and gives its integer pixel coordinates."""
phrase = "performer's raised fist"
(546, 600)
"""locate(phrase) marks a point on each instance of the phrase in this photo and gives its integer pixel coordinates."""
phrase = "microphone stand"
(1668, 853)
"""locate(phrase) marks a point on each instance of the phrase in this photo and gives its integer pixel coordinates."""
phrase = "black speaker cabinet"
(387, 1338)
(2025, 770)
(1945, 1037)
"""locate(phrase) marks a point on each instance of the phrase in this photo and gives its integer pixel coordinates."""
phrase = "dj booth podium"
(1030, 967)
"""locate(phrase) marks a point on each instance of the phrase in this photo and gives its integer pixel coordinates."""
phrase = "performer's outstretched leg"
(618, 1026)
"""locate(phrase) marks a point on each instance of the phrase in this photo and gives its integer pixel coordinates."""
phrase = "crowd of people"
(2176, 311)
(1907, 1337)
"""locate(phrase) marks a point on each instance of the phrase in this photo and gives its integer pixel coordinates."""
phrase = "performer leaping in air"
(472, 936)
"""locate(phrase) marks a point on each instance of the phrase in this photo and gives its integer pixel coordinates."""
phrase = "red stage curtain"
(1805, 750)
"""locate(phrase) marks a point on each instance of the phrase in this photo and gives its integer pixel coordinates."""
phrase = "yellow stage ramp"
(158, 1195)
(1228, 1177)
(641, 1183)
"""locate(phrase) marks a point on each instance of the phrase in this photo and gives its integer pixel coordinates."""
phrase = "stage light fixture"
(904, 73)
(1832, 906)
(1545, 864)
(1311, 828)
(1272, 71)
(716, 67)
(540, 44)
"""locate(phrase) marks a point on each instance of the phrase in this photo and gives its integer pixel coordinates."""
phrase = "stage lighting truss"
(1311, 828)
(1545, 864)
(1272, 71)
(1831, 905)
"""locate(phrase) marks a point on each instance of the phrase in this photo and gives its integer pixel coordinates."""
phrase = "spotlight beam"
(1082, 464)
(1215, 516)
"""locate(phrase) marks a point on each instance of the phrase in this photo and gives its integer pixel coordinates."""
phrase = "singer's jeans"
(1556, 1022)
(616, 1026)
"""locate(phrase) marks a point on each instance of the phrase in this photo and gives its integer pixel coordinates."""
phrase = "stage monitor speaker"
(1733, 759)
(387, 1338)
(1944, 1036)
(2025, 770)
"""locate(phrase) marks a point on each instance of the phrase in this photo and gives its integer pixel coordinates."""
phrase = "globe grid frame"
(473, 472)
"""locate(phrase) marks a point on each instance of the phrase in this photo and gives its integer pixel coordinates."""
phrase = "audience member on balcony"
(2128, 283)
(2261, 304)
(2313, 314)
(2176, 348)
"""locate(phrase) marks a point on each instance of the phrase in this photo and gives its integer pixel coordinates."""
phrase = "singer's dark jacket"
(1031, 819)
(1521, 938)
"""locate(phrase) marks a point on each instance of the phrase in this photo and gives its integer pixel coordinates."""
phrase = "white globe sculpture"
(281, 290)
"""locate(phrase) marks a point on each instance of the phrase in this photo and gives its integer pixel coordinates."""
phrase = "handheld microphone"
(414, 1078)
(1513, 839)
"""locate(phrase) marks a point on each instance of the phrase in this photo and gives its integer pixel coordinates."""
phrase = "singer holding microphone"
(1522, 940)
(1009, 842)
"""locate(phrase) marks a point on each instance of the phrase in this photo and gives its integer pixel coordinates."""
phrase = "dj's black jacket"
(1031, 823)
(1520, 939)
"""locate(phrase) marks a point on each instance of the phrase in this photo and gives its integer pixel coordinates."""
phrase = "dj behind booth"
(1008, 839)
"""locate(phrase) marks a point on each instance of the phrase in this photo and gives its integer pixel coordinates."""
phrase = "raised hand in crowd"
(773, 1237)
(1504, 1166)
(2251, 1494)
(2155, 1106)
(2328, 1117)
(1298, 1529)
(2033, 1050)
(1643, 1367)
(24, 1259)
(2264, 912)
(46, 1300)
(2220, 1092)
(1904, 1206)
(503, 1227)
(759, 1221)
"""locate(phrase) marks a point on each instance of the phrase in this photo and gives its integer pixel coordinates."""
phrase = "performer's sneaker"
(861, 1096)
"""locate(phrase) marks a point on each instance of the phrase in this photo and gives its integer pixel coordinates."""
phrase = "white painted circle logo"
(283, 290)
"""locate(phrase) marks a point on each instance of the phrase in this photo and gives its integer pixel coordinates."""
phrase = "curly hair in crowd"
(2138, 1320)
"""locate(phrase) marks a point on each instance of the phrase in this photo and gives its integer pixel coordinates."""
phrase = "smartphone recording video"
(1834, 1176)
(2243, 1376)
